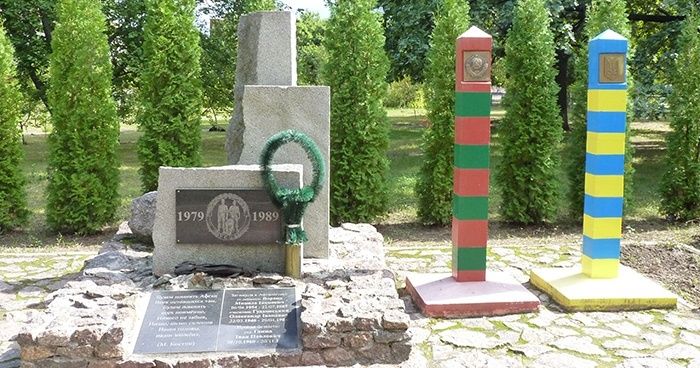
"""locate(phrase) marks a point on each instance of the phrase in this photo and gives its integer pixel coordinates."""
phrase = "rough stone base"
(439, 295)
(350, 314)
(574, 291)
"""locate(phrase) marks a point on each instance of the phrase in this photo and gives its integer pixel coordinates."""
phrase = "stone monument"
(267, 101)
(215, 242)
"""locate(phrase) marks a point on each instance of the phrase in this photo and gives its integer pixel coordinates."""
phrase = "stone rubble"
(351, 312)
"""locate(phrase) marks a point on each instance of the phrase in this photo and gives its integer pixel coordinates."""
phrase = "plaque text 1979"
(226, 216)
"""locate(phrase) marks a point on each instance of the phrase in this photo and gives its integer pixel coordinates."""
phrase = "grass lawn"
(405, 155)
(406, 130)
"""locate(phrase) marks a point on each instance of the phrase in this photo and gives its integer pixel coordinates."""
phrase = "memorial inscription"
(220, 320)
(180, 321)
(228, 216)
(258, 319)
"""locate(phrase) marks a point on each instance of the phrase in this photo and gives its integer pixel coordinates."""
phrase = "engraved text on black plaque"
(259, 319)
(226, 216)
(180, 321)
(220, 320)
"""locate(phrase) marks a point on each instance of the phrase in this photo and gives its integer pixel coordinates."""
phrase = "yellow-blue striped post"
(605, 155)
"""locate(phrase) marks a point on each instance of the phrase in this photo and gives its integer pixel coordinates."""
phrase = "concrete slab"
(577, 292)
(439, 295)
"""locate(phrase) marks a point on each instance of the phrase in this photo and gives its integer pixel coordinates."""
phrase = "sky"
(311, 5)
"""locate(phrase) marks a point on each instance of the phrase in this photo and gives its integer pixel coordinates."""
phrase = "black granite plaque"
(180, 322)
(259, 319)
(220, 320)
(226, 216)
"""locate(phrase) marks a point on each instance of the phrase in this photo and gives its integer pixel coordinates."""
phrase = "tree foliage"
(219, 47)
(603, 15)
(434, 186)
(680, 187)
(125, 21)
(13, 201)
(408, 25)
(83, 167)
(29, 25)
(356, 72)
(311, 55)
(526, 176)
(171, 90)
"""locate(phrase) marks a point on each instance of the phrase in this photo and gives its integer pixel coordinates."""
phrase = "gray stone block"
(266, 55)
(168, 254)
(271, 109)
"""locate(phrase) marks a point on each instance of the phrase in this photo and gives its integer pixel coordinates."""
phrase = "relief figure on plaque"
(221, 216)
(228, 216)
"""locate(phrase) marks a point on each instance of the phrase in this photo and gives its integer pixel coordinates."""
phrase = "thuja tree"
(13, 205)
(83, 168)
(356, 72)
(171, 90)
(434, 186)
(531, 131)
(680, 187)
(603, 15)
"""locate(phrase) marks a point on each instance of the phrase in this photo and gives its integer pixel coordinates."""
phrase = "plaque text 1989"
(226, 216)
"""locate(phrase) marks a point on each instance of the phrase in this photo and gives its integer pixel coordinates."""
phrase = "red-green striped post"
(471, 151)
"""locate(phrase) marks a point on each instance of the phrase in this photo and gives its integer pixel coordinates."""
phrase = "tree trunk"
(563, 82)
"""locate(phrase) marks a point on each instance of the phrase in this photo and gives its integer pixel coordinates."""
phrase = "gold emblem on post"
(612, 68)
(477, 66)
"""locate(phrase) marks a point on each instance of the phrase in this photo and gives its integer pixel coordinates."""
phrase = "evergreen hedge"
(530, 133)
(434, 186)
(680, 187)
(171, 90)
(83, 169)
(356, 72)
(13, 201)
(603, 15)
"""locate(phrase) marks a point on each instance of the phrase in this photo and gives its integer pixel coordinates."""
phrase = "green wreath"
(293, 202)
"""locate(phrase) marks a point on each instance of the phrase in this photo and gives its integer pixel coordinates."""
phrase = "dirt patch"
(675, 266)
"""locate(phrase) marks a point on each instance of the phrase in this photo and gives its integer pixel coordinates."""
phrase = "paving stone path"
(549, 338)
(25, 279)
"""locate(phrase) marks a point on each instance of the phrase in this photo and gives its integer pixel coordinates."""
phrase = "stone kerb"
(168, 254)
(268, 110)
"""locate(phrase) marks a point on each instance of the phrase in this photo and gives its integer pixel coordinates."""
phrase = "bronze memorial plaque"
(226, 216)
(612, 68)
(477, 66)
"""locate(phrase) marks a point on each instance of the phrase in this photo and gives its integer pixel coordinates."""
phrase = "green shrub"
(434, 185)
(681, 183)
(83, 167)
(171, 90)
(356, 72)
(604, 14)
(531, 131)
(402, 93)
(13, 201)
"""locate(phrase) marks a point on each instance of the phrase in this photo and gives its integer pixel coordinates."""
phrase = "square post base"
(575, 291)
(440, 295)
